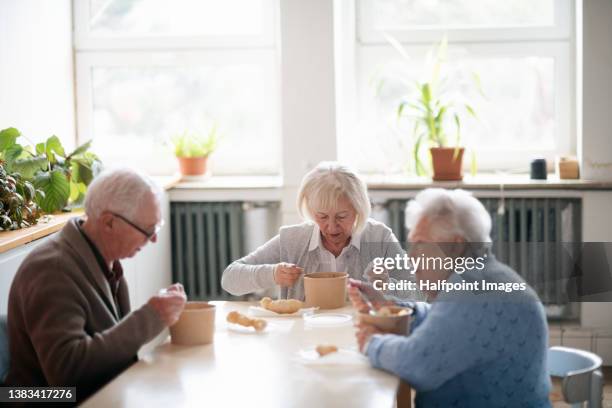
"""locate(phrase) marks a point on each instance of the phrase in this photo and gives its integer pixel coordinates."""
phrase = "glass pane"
(133, 18)
(516, 113)
(136, 111)
(415, 14)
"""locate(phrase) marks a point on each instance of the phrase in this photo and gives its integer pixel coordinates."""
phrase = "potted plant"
(433, 113)
(59, 178)
(192, 150)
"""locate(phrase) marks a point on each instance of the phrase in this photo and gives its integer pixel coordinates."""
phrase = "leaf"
(418, 165)
(29, 166)
(471, 111)
(11, 154)
(81, 149)
(397, 45)
(473, 165)
(56, 188)
(53, 146)
(81, 171)
(8, 137)
(458, 123)
(40, 148)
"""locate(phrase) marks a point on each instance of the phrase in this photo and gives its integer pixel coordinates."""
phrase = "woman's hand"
(377, 299)
(286, 274)
(364, 332)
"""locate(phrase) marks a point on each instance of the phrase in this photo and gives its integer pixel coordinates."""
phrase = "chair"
(581, 374)
(4, 349)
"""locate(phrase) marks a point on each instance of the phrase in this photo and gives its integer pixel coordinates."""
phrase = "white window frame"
(561, 29)
(85, 40)
(364, 44)
(92, 52)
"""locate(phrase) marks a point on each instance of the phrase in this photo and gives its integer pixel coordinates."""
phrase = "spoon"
(368, 303)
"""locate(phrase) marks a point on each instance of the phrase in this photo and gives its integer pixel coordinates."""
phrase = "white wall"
(595, 151)
(36, 74)
(308, 93)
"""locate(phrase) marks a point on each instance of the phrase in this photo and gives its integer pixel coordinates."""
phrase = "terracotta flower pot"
(446, 166)
(193, 166)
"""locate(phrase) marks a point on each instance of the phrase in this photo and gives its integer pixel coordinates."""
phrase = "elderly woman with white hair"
(471, 346)
(337, 236)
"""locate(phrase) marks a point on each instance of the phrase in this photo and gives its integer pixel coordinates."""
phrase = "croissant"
(282, 306)
(239, 318)
(324, 350)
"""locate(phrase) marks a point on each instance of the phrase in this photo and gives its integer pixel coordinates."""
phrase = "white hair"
(120, 190)
(324, 185)
(451, 212)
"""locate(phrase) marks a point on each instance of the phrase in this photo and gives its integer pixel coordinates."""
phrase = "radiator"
(534, 236)
(206, 237)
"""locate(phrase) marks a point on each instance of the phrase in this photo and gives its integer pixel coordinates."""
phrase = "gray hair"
(452, 212)
(119, 190)
(324, 185)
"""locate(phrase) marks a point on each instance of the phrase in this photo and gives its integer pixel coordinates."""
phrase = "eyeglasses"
(149, 235)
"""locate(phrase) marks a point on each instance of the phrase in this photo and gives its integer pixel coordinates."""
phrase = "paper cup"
(195, 326)
(327, 290)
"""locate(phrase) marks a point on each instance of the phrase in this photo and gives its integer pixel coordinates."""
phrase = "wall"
(308, 93)
(595, 121)
(36, 73)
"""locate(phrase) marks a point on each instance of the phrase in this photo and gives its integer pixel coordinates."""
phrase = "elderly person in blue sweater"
(466, 348)
(337, 235)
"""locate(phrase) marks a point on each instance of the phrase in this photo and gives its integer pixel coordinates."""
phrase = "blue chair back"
(581, 374)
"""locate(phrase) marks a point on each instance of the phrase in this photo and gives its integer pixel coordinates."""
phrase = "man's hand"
(364, 332)
(286, 274)
(169, 303)
(377, 298)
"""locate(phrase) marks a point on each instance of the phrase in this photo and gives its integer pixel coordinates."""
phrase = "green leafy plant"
(62, 177)
(18, 208)
(193, 144)
(428, 105)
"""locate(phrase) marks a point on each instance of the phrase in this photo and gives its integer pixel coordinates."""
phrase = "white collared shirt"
(327, 261)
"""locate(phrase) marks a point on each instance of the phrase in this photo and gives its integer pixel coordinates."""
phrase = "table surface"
(249, 369)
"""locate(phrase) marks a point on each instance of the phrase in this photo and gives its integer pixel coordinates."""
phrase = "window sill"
(485, 182)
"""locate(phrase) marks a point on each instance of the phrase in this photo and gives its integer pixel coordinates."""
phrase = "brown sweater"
(64, 327)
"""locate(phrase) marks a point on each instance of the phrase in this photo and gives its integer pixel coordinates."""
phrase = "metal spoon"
(368, 303)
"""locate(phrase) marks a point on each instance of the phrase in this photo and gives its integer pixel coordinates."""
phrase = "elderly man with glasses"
(69, 318)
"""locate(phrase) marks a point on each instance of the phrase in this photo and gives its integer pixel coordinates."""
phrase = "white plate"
(258, 311)
(243, 329)
(328, 319)
(340, 357)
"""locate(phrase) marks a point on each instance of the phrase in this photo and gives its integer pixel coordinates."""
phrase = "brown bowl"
(195, 326)
(390, 324)
(327, 290)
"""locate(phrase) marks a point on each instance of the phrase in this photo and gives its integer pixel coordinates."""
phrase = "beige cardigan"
(64, 328)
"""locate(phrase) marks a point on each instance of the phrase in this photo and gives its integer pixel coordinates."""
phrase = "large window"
(147, 70)
(520, 51)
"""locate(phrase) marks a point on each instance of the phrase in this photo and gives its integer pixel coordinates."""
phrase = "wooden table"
(251, 370)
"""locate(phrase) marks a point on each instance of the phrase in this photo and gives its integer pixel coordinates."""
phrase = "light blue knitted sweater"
(472, 350)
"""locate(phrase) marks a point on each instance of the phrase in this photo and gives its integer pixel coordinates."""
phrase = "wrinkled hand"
(286, 274)
(363, 334)
(377, 298)
(169, 303)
